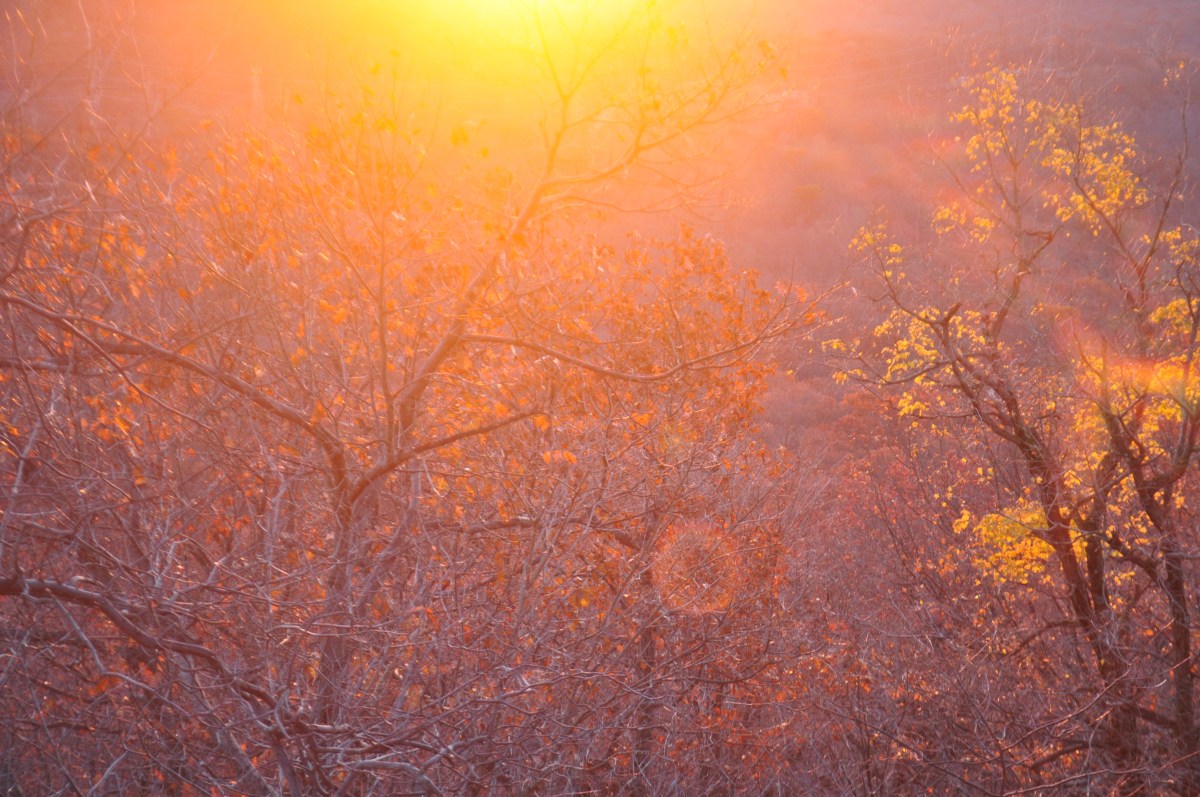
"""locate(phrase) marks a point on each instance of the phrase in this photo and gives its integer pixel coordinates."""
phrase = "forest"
(599, 397)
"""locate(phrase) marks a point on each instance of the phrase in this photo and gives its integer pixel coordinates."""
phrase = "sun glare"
(522, 13)
(499, 29)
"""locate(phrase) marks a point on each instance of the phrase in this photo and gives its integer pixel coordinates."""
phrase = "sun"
(564, 11)
(534, 23)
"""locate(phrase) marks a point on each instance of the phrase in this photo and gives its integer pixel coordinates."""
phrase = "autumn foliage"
(402, 430)
(331, 469)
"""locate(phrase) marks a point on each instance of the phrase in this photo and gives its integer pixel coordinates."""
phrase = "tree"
(1091, 403)
(335, 469)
